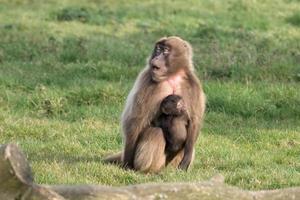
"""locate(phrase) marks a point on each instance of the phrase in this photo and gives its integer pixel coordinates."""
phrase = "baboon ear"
(189, 51)
(188, 47)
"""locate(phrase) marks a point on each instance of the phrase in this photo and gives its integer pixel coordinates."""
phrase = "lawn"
(66, 67)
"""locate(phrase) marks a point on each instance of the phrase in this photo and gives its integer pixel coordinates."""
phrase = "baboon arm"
(192, 133)
(129, 152)
(194, 123)
(132, 132)
(128, 156)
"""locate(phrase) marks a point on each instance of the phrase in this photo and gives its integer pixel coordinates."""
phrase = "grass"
(66, 68)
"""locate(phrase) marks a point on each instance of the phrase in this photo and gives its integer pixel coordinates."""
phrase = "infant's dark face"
(172, 105)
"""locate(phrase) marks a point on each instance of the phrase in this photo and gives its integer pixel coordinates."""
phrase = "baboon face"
(173, 105)
(169, 56)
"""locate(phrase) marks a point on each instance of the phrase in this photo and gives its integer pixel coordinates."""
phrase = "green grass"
(66, 68)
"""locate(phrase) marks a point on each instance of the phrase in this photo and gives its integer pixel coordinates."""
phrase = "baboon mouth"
(157, 77)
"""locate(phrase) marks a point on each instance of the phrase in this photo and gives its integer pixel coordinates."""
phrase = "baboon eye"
(166, 51)
(158, 50)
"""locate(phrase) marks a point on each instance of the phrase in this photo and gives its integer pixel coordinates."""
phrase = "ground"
(66, 67)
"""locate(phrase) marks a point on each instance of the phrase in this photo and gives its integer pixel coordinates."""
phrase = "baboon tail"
(114, 159)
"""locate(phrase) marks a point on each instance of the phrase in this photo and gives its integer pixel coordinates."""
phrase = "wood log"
(17, 183)
(16, 180)
(209, 190)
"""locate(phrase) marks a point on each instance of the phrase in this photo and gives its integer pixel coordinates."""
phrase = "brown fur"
(143, 144)
(173, 120)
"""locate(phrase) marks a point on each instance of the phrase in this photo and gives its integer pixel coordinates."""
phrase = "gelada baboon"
(173, 121)
(170, 70)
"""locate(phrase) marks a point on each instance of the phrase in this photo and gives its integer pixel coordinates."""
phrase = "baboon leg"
(174, 160)
(114, 159)
(150, 151)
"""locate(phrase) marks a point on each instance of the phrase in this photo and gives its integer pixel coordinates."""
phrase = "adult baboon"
(170, 70)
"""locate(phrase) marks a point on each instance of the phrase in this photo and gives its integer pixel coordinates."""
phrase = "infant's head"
(172, 105)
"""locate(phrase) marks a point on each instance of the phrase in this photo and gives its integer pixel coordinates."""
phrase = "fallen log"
(17, 182)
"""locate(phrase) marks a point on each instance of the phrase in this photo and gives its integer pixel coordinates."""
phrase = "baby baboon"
(173, 120)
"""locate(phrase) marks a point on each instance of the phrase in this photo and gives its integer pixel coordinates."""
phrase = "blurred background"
(66, 67)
